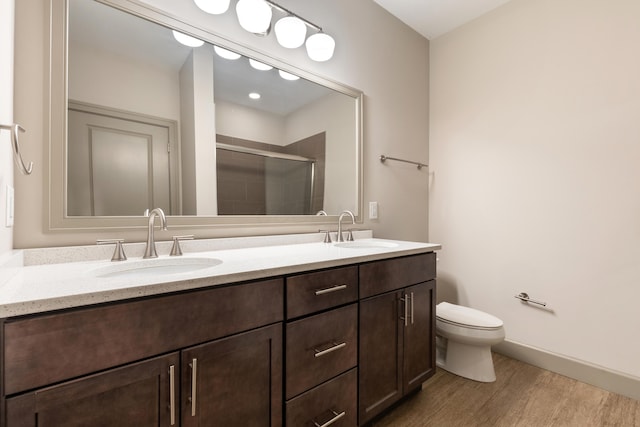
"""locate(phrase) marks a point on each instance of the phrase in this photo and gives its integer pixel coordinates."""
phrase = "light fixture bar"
(287, 11)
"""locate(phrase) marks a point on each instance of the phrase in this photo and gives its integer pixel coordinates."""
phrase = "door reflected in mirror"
(155, 123)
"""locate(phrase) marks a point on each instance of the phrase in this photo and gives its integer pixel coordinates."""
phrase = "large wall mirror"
(215, 135)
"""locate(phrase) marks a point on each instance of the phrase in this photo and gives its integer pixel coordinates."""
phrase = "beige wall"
(6, 117)
(332, 114)
(95, 72)
(232, 119)
(535, 153)
(383, 58)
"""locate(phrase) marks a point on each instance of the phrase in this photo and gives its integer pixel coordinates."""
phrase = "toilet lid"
(466, 316)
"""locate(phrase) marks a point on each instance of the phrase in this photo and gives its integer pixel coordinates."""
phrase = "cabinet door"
(235, 381)
(137, 395)
(380, 366)
(55, 347)
(419, 348)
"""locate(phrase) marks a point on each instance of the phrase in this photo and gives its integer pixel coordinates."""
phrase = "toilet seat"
(466, 317)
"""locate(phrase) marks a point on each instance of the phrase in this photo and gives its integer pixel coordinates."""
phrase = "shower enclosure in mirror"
(210, 135)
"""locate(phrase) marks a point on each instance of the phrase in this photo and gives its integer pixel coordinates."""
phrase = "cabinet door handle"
(334, 347)
(412, 308)
(405, 301)
(194, 385)
(331, 289)
(336, 417)
(172, 394)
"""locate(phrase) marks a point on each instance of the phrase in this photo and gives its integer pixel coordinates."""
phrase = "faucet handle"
(175, 249)
(349, 235)
(118, 253)
(327, 236)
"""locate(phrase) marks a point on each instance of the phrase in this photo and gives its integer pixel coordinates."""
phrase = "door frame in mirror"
(56, 125)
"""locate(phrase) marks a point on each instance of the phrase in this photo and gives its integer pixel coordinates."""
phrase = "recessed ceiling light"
(287, 76)
(187, 40)
(254, 95)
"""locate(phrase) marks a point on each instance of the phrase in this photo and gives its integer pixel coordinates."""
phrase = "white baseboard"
(598, 376)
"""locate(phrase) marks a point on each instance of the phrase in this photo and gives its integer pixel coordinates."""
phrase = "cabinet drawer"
(335, 399)
(49, 348)
(311, 292)
(320, 347)
(382, 276)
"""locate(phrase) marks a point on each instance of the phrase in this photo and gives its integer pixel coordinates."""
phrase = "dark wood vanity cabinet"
(321, 351)
(141, 363)
(235, 381)
(397, 331)
(328, 347)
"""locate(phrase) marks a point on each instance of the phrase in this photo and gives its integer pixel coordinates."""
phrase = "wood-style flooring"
(523, 395)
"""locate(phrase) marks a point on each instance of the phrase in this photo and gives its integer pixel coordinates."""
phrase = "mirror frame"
(56, 124)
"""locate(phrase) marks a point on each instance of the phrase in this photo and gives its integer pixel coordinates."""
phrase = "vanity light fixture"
(214, 7)
(254, 16)
(320, 47)
(226, 54)
(287, 76)
(290, 32)
(187, 40)
(259, 65)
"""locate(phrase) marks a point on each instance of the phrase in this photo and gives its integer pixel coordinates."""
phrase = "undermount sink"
(155, 266)
(366, 244)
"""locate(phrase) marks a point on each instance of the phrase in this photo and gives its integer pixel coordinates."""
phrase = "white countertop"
(27, 289)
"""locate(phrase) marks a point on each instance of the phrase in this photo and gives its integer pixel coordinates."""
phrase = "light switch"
(9, 216)
(373, 210)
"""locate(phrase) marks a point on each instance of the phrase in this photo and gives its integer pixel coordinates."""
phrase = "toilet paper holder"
(524, 297)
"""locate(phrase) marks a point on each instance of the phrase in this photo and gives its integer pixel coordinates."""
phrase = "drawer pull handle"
(336, 417)
(333, 348)
(172, 394)
(331, 289)
(194, 386)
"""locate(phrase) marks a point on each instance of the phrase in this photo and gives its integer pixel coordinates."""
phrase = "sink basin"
(155, 266)
(366, 244)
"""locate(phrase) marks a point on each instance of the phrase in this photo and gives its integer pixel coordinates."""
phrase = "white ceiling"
(92, 24)
(432, 18)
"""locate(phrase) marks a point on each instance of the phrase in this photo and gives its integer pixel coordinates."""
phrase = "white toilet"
(464, 340)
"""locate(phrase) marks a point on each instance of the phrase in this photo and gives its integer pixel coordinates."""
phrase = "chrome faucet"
(353, 221)
(150, 250)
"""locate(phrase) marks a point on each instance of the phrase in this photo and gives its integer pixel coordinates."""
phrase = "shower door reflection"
(289, 186)
(254, 181)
